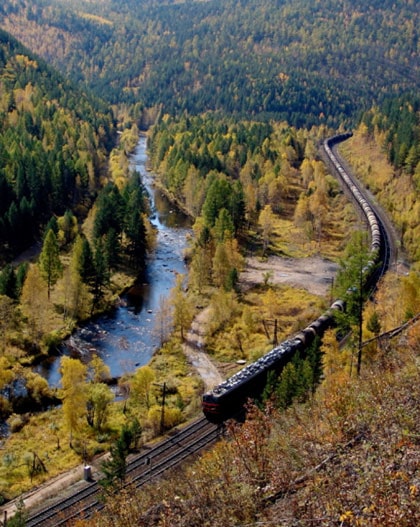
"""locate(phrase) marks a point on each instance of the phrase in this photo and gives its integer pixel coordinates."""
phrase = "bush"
(17, 422)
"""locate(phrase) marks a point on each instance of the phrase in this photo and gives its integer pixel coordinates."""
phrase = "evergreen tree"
(112, 248)
(87, 264)
(49, 261)
(101, 278)
(351, 285)
(20, 517)
(223, 227)
(67, 226)
(136, 234)
(21, 273)
(8, 285)
(217, 198)
(115, 467)
(52, 225)
(286, 388)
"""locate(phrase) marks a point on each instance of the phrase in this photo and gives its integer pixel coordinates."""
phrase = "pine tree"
(21, 273)
(350, 284)
(87, 265)
(101, 278)
(8, 282)
(115, 467)
(49, 261)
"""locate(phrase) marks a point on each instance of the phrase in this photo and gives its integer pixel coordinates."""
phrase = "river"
(126, 337)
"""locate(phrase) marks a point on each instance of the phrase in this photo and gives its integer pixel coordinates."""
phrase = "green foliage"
(8, 284)
(50, 136)
(399, 119)
(119, 226)
(374, 324)
(264, 57)
(298, 379)
(99, 397)
(114, 468)
(393, 129)
(20, 517)
(49, 261)
(351, 278)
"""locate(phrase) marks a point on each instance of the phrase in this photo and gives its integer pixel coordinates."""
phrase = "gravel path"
(194, 350)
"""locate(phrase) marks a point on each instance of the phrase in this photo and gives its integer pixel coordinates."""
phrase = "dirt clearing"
(315, 274)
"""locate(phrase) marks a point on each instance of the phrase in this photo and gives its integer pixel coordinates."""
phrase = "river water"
(126, 337)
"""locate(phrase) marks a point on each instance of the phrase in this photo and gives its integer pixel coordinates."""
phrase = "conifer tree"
(351, 285)
(115, 467)
(8, 282)
(49, 261)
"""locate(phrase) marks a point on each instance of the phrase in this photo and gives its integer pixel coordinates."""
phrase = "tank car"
(228, 398)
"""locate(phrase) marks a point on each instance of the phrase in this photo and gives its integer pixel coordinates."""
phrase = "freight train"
(228, 398)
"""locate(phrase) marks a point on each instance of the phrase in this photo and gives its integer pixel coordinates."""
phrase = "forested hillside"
(237, 96)
(57, 166)
(395, 128)
(303, 61)
(53, 146)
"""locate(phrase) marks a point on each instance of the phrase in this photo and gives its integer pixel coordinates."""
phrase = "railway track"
(198, 435)
(142, 468)
(389, 238)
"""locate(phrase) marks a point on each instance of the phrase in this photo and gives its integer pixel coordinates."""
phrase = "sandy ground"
(314, 274)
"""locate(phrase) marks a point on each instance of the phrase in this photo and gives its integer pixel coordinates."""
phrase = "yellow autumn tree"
(73, 394)
(34, 303)
(266, 223)
(140, 386)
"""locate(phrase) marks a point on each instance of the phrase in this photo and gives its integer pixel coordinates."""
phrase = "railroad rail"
(388, 236)
(230, 396)
(142, 468)
(201, 433)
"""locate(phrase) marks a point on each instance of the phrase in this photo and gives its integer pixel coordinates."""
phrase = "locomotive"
(228, 398)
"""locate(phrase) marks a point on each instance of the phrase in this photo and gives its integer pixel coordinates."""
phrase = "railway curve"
(228, 398)
(387, 229)
(204, 432)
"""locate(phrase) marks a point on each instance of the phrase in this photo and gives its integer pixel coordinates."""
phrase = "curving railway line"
(357, 193)
(226, 399)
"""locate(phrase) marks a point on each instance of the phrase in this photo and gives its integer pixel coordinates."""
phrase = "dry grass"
(349, 457)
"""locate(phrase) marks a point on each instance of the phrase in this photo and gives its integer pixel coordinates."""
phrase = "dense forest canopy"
(245, 90)
(303, 61)
(53, 145)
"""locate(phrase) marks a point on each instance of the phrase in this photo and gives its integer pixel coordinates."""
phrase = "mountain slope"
(304, 61)
(53, 143)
